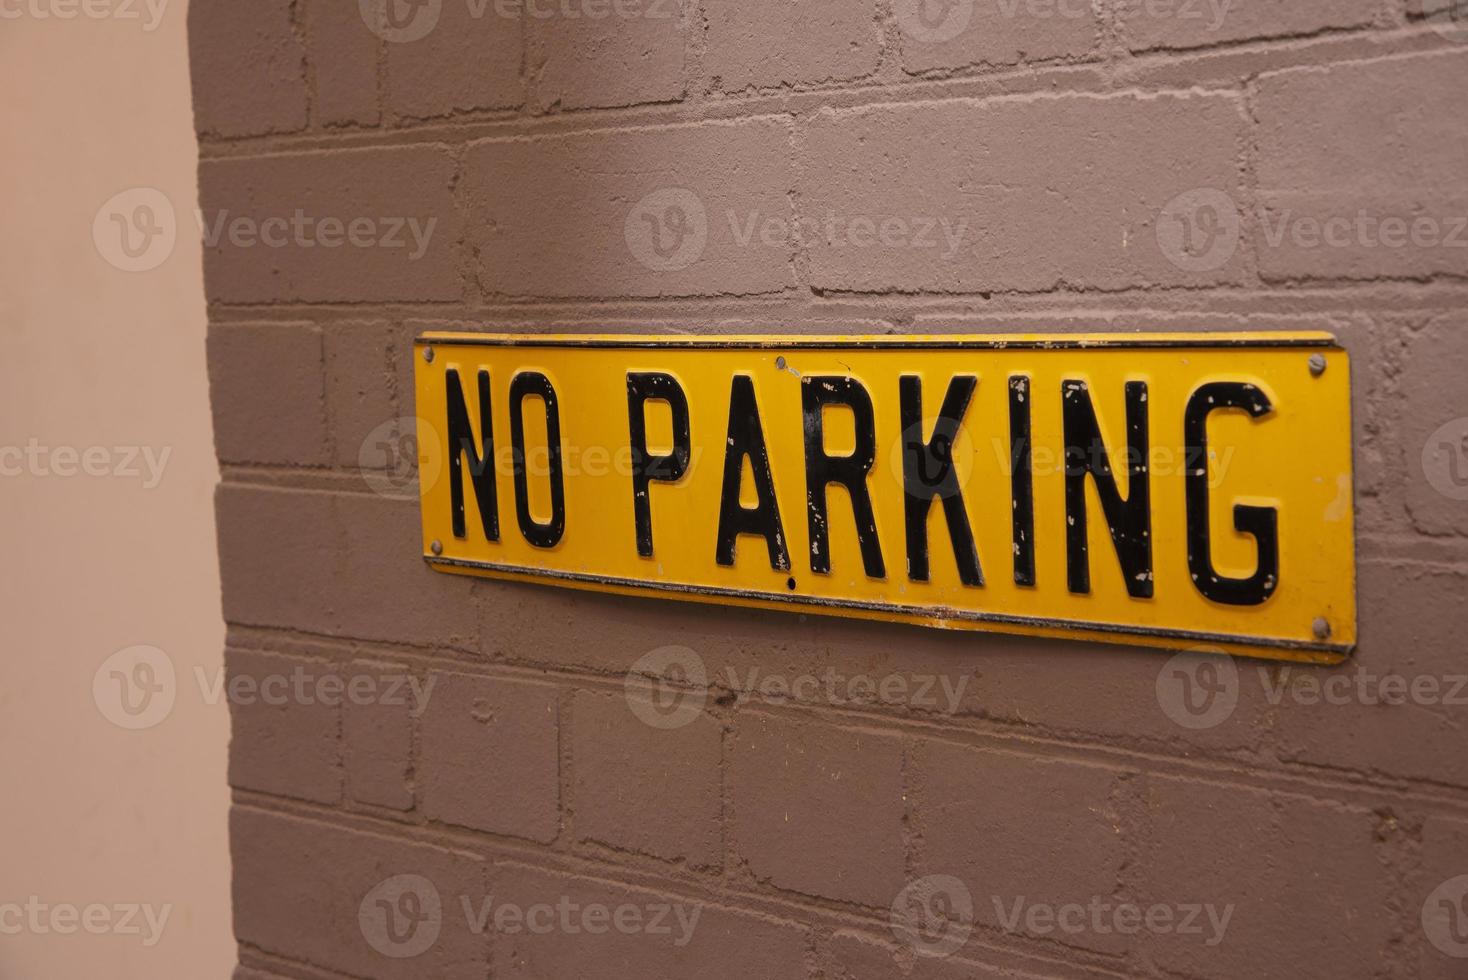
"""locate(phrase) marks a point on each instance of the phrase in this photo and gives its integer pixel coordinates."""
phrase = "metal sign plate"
(1170, 490)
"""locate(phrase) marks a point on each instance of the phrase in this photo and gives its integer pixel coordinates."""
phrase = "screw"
(1317, 364)
(437, 549)
(428, 355)
(780, 363)
(1321, 626)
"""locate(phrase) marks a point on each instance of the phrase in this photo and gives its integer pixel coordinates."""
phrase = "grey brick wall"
(1313, 157)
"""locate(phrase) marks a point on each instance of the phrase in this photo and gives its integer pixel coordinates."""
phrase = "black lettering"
(481, 461)
(818, 391)
(1261, 522)
(1021, 480)
(928, 472)
(669, 468)
(528, 383)
(1129, 520)
(747, 438)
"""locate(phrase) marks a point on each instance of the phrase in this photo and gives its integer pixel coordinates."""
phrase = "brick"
(706, 942)
(282, 743)
(1302, 876)
(567, 216)
(256, 78)
(818, 810)
(388, 193)
(491, 756)
(377, 735)
(360, 387)
(304, 890)
(1444, 857)
(266, 392)
(1412, 619)
(1430, 408)
(1059, 686)
(343, 56)
(1013, 827)
(468, 60)
(608, 54)
(653, 790)
(305, 560)
(1357, 145)
(1013, 197)
(788, 43)
(861, 959)
(1149, 24)
(994, 33)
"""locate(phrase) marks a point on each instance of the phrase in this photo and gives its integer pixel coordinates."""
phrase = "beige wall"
(95, 356)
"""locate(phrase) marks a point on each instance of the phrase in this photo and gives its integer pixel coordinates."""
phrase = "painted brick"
(468, 60)
(861, 959)
(361, 361)
(559, 217)
(282, 743)
(1358, 145)
(644, 788)
(491, 756)
(1010, 199)
(305, 890)
(1444, 858)
(1017, 827)
(304, 559)
(818, 810)
(762, 45)
(994, 32)
(1149, 24)
(377, 734)
(1060, 193)
(380, 190)
(706, 942)
(1434, 426)
(266, 393)
(1303, 878)
(611, 53)
(1412, 623)
(256, 82)
(343, 57)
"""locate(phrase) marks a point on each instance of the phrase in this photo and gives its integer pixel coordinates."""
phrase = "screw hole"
(790, 583)
(780, 363)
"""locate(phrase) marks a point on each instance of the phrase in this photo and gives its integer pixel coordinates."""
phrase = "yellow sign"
(1174, 490)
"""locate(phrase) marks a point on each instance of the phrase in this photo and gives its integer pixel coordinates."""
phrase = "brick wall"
(935, 805)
